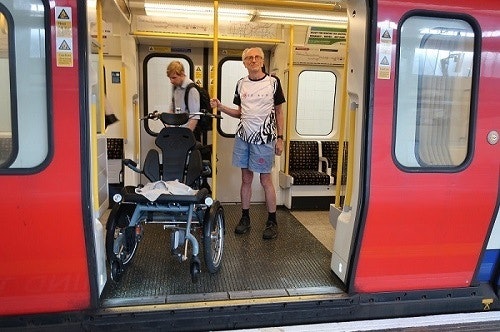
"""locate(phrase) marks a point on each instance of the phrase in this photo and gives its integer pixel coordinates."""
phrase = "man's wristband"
(280, 136)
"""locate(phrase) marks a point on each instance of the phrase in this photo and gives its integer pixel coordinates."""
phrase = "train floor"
(295, 263)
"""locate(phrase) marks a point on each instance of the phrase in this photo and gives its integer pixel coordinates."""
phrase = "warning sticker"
(64, 60)
(384, 54)
(63, 45)
(64, 52)
(64, 37)
(198, 75)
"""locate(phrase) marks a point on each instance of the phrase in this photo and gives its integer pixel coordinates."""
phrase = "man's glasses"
(253, 57)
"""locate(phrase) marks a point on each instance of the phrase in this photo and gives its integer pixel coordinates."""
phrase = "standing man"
(259, 135)
(175, 72)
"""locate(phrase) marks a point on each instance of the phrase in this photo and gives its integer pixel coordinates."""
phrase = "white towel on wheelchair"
(153, 190)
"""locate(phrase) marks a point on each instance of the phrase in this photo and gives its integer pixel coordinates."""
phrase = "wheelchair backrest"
(180, 160)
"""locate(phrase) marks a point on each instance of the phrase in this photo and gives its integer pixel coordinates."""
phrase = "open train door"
(430, 174)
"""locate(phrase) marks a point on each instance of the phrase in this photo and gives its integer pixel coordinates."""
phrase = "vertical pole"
(101, 79)
(215, 76)
(288, 118)
(123, 113)
(342, 126)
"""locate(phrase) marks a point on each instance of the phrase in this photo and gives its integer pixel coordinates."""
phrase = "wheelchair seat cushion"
(130, 196)
(153, 190)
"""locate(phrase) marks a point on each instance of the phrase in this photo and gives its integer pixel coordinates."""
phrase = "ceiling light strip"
(320, 6)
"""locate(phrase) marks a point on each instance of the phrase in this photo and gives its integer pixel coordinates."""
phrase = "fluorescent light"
(187, 11)
(199, 11)
(293, 16)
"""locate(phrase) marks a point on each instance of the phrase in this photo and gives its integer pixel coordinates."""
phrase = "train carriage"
(391, 128)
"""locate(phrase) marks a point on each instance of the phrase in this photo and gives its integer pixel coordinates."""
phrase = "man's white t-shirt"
(257, 99)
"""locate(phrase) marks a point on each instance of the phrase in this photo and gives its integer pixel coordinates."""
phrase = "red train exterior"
(45, 267)
(419, 231)
(428, 230)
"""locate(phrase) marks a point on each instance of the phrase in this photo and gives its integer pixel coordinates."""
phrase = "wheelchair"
(184, 213)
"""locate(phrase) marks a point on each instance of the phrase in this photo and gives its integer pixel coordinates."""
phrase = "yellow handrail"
(214, 93)
(123, 113)
(137, 128)
(95, 121)
(340, 156)
(288, 117)
(350, 155)
(187, 36)
(100, 70)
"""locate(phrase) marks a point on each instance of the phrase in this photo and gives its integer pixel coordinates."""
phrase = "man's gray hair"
(245, 51)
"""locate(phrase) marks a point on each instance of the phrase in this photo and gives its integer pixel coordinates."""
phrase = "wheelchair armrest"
(132, 165)
(128, 162)
(204, 196)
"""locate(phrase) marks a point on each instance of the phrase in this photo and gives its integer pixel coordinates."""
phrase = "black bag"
(205, 122)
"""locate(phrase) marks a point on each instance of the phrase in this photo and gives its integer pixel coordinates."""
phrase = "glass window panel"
(24, 115)
(315, 103)
(5, 102)
(231, 72)
(159, 89)
(434, 92)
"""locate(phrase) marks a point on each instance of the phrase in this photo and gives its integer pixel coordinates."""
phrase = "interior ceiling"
(136, 8)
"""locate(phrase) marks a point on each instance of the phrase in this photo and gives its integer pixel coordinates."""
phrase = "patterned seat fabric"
(304, 164)
(115, 148)
(330, 150)
(5, 148)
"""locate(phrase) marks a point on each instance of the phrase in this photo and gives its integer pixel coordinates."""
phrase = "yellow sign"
(160, 49)
(198, 75)
(64, 59)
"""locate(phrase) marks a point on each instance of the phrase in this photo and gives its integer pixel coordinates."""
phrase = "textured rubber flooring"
(294, 263)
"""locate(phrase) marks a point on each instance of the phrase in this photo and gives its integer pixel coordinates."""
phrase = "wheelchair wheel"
(121, 239)
(195, 269)
(213, 237)
(116, 270)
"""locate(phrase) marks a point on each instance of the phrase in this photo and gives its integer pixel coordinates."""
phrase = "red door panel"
(426, 229)
(43, 258)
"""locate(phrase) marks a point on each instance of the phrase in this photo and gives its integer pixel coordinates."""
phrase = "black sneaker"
(243, 226)
(271, 230)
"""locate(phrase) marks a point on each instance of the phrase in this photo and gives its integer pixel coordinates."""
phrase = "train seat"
(308, 184)
(5, 148)
(306, 165)
(330, 150)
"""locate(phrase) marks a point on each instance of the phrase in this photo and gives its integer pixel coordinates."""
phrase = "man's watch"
(280, 136)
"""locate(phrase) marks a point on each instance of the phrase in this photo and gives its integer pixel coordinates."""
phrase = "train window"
(5, 102)
(25, 117)
(231, 71)
(434, 92)
(158, 86)
(315, 102)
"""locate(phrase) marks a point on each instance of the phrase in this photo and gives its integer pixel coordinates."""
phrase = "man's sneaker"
(243, 226)
(271, 230)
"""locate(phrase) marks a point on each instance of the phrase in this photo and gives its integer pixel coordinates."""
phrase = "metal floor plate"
(294, 263)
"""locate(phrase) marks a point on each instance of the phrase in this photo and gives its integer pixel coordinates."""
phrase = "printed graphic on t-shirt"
(257, 99)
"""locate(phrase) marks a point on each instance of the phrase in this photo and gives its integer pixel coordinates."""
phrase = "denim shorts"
(257, 158)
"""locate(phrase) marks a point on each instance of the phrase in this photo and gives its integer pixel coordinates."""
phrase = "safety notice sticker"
(64, 37)
(384, 54)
